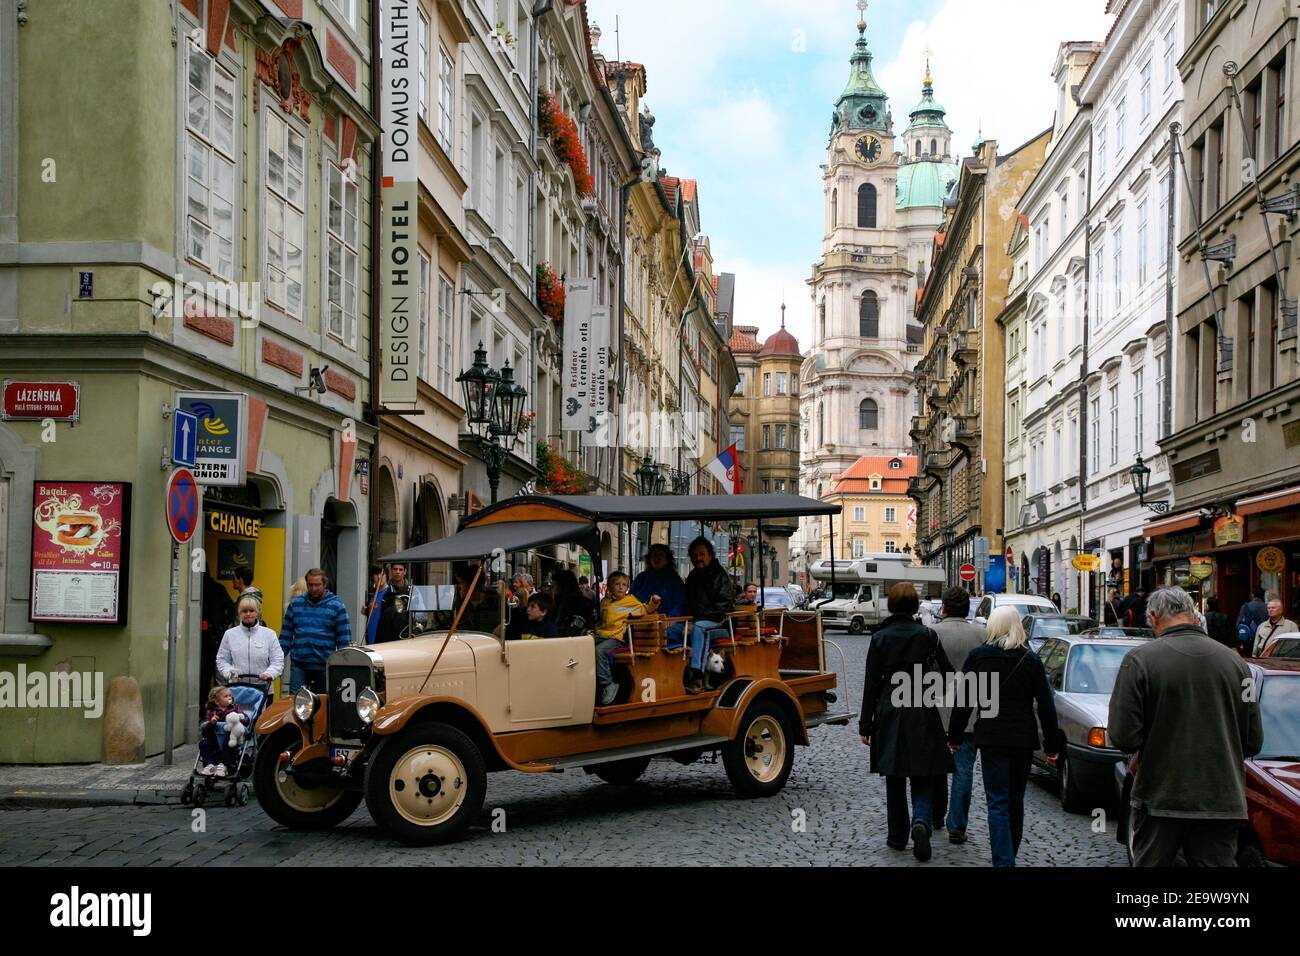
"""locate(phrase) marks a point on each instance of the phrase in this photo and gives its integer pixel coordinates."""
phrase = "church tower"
(883, 201)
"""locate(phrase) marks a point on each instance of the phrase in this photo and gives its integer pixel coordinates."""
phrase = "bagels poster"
(79, 551)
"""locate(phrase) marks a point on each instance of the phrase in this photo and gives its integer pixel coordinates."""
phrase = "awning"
(1172, 525)
(651, 508)
(1271, 501)
(479, 542)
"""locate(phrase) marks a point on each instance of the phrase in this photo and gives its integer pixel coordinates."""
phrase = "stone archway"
(429, 524)
(385, 535)
(340, 555)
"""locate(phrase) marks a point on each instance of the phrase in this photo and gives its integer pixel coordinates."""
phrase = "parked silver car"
(1081, 670)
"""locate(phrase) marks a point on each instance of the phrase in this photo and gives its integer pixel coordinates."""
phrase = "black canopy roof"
(475, 543)
(667, 507)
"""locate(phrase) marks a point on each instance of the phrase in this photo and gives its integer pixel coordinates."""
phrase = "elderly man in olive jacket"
(1184, 704)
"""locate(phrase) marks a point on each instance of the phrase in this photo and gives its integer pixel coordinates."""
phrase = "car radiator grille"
(345, 683)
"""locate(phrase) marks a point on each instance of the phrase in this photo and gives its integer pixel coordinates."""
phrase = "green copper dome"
(924, 183)
(863, 105)
(927, 112)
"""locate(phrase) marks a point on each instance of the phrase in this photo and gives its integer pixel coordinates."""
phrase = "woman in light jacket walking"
(1006, 736)
(906, 736)
(250, 647)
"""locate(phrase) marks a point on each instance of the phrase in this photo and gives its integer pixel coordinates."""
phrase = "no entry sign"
(182, 499)
(967, 572)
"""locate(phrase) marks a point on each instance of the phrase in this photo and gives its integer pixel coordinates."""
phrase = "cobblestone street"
(674, 815)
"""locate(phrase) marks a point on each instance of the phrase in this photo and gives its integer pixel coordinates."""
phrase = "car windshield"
(776, 597)
(844, 590)
(1279, 709)
(1045, 627)
(1092, 668)
(1025, 609)
(1285, 647)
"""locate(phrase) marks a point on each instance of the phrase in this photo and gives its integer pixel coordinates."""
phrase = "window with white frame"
(424, 68)
(1094, 437)
(1163, 230)
(285, 200)
(780, 383)
(891, 515)
(859, 547)
(1144, 93)
(446, 355)
(1114, 424)
(1142, 258)
(347, 9)
(421, 370)
(1098, 283)
(891, 546)
(446, 99)
(1117, 252)
(342, 258)
(1056, 454)
(1081, 191)
(1063, 207)
(859, 514)
(1138, 411)
(210, 180)
(781, 431)
(1101, 150)
(1121, 121)
(1170, 58)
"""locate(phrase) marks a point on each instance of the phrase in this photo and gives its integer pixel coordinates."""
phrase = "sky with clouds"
(743, 92)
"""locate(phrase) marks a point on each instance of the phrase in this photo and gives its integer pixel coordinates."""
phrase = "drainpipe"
(1084, 424)
(376, 270)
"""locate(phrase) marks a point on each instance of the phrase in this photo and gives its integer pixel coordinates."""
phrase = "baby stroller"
(251, 695)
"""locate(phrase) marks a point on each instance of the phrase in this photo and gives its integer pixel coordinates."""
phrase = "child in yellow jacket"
(615, 610)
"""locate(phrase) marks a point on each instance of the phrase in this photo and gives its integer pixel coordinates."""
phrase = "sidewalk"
(96, 784)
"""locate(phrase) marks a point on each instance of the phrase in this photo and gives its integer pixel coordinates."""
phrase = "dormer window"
(895, 465)
(875, 482)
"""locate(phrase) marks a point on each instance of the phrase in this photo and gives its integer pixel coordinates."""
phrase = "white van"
(862, 586)
(1024, 603)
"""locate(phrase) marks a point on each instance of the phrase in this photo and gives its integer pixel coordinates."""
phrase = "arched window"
(867, 206)
(869, 316)
(918, 147)
(934, 147)
(868, 415)
(821, 426)
(835, 208)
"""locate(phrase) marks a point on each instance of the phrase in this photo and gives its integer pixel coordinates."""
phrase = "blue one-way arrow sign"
(185, 437)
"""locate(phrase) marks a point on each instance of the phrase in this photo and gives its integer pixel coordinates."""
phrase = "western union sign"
(223, 522)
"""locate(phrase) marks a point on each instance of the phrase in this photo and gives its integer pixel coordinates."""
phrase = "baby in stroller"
(226, 742)
(217, 751)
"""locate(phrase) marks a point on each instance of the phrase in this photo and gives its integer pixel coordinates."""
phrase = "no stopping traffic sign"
(182, 500)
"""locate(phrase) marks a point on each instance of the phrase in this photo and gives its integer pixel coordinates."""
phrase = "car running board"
(560, 764)
(834, 719)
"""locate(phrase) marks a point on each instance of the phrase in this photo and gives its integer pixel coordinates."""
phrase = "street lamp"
(648, 478)
(493, 404)
(1140, 476)
(751, 551)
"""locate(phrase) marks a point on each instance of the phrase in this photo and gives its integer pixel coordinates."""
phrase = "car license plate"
(342, 756)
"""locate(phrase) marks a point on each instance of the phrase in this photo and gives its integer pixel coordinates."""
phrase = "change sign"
(222, 427)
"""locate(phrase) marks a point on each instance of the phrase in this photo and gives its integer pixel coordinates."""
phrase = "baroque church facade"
(884, 196)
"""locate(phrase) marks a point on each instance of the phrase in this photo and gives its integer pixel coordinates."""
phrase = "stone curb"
(64, 798)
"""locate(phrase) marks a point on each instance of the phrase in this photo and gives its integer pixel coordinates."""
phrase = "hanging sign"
(1230, 529)
(579, 412)
(399, 222)
(1086, 562)
(597, 433)
(220, 435)
(80, 551)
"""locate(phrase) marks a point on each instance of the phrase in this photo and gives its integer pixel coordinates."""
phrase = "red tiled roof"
(743, 340)
(780, 342)
(688, 190)
(857, 478)
(715, 285)
(1024, 222)
(669, 184)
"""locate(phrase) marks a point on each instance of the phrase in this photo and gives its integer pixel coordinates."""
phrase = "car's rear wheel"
(426, 784)
(621, 772)
(287, 798)
(1073, 800)
(758, 761)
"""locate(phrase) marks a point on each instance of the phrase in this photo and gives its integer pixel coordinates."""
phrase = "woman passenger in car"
(661, 578)
(482, 613)
(573, 613)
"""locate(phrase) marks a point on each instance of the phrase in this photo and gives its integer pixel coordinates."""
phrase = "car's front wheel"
(857, 625)
(293, 799)
(426, 784)
(758, 761)
(1073, 800)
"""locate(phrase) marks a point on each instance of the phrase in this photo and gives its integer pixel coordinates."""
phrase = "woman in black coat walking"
(900, 723)
(1009, 679)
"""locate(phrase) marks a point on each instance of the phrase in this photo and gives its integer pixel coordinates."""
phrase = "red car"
(1272, 835)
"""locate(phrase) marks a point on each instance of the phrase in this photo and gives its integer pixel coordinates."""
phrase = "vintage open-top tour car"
(413, 726)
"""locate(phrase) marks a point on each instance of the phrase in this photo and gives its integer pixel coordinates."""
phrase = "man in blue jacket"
(315, 625)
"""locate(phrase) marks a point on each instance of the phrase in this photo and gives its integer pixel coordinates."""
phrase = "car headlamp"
(305, 704)
(368, 705)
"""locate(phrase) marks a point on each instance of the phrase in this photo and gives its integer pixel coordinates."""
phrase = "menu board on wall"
(80, 551)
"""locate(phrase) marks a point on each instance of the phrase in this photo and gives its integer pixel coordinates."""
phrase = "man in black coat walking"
(900, 722)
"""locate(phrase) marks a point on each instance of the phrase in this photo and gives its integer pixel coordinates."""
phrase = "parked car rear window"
(1279, 709)
(1092, 668)
(777, 597)
(1058, 627)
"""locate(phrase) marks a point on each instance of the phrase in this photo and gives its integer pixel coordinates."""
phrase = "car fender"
(281, 714)
(725, 721)
(394, 717)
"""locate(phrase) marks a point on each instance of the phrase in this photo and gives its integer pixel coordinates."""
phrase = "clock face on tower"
(868, 149)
